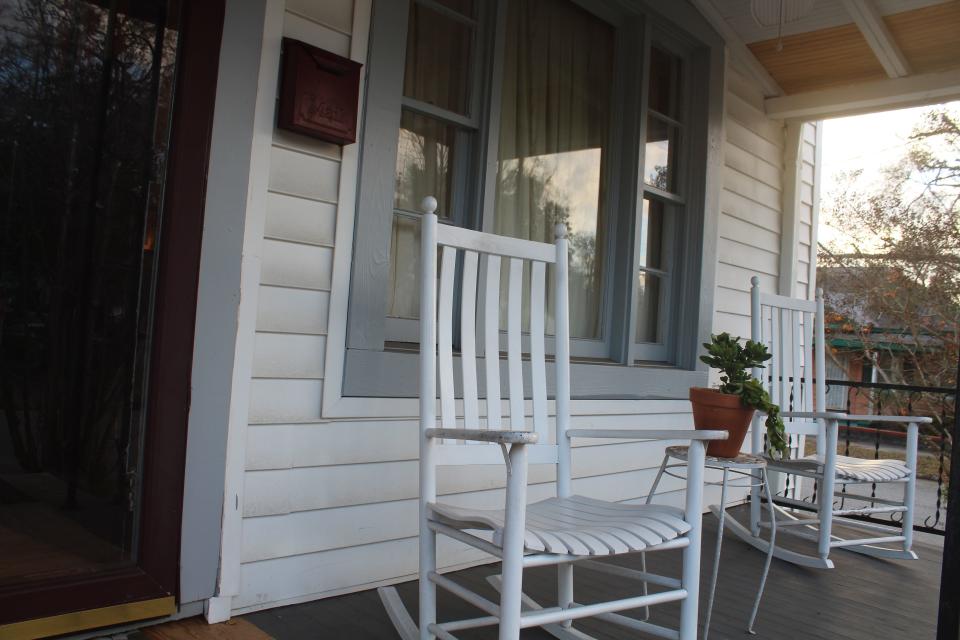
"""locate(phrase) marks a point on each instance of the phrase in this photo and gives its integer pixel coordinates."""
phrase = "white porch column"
(229, 282)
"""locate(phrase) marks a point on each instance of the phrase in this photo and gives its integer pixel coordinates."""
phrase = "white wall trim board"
(260, 80)
(790, 216)
(343, 254)
(815, 211)
(879, 95)
(217, 609)
(868, 19)
(740, 52)
(214, 376)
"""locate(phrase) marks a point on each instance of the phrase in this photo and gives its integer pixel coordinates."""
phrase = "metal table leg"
(716, 554)
(766, 564)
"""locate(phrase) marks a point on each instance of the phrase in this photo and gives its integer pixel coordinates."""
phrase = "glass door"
(85, 128)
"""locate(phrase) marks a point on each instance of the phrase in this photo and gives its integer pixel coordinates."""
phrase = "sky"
(868, 142)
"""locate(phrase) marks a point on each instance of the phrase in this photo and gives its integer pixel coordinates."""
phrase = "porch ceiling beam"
(740, 52)
(879, 95)
(874, 30)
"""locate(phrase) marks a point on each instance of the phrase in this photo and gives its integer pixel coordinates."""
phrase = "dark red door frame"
(157, 572)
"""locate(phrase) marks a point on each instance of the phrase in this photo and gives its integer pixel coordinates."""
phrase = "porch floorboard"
(861, 599)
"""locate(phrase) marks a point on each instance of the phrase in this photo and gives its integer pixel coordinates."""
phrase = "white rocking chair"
(564, 530)
(793, 331)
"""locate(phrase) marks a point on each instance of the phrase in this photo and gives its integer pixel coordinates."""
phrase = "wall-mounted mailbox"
(319, 91)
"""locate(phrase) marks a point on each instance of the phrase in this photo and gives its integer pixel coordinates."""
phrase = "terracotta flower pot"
(715, 410)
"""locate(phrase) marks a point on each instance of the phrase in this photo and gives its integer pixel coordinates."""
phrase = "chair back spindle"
(472, 263)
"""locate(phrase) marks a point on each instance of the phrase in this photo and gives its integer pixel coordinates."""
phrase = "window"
(662, 205)
(521, 114)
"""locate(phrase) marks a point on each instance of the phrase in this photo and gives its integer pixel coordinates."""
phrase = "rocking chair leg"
(514, 526)
(565, 587)
(825, 515)
(428, 590)
(690, 578)
(910, 487)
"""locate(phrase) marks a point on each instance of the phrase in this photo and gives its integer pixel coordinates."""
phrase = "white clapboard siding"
(303, 174)
(269, 583)
(280, 401)
(273, 492)
(321, 530)
(336, 16)
(288, 355)
(300, 220)
(291, 264)
(751, 203)
(305, 30)
(289, 310)
(758, 235)
(736, 206)
(304, 144)
(285, 446)
(749, 187)
(742, 252)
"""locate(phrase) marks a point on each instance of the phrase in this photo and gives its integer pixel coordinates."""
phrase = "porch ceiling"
(845, 56)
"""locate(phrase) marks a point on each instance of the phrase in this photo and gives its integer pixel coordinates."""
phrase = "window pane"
(665, 75)
(425, 153)
(404, 268)
(648, 307)
(660, 159)
(651, 235)
(438, 60)
(554, 125)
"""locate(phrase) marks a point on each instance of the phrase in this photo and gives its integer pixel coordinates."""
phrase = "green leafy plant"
(735, 361)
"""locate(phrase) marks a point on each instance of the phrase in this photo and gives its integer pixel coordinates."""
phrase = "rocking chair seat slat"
(854, 469)
(577, 525)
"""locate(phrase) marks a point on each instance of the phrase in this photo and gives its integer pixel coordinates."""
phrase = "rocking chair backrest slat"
(491, 332)
(514, 359)
(479, 259)
(792, 330)
(468, 339)
(777, 352)
(807, 359)
(796, 389)
(538, 373)
(445, 338)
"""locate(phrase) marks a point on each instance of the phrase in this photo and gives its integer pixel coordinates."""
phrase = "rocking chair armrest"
(649, 434)
(893, 419)
(483, 435)
(814, 415)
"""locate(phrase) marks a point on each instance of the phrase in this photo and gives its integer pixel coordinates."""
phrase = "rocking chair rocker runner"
(793, 331)
(563, 530)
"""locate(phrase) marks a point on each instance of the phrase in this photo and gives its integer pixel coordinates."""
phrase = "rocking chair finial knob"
(429, 204)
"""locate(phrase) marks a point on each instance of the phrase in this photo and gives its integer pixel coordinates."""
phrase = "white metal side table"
(749, 471)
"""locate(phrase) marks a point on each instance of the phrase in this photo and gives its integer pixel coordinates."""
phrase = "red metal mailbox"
(319, 91)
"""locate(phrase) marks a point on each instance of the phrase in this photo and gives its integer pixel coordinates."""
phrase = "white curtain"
(554, 123)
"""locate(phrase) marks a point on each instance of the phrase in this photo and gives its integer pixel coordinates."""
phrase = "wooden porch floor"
(861, 599)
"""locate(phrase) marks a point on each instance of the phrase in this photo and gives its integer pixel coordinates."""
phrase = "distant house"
(868, 341)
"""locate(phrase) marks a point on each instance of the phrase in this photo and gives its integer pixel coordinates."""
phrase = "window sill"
(395, 374)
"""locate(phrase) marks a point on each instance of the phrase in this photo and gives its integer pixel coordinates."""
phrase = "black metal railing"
(863, 439)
